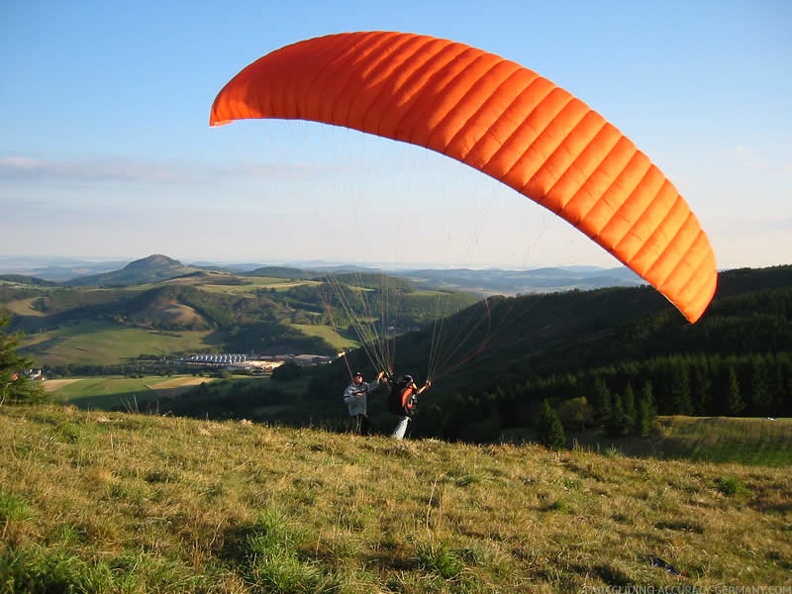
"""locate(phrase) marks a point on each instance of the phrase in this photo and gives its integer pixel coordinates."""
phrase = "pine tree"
(549, 431)
(761, 396)
(616, 425)
(601, 399)
(680, 390)
(646, 411)
(628, 406)
(735, 403)
(702, 387)
(15, 386)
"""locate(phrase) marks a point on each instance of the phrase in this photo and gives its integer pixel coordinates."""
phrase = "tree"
(15, 385)
(550, 432)
(734, 400)
(680, 390)
(628, 406)
(575, 413)
(646, 411)
(761, 396)
(618, 425)
(287, 372)
(603, 401)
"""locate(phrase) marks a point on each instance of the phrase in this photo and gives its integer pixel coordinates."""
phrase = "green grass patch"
(13, 507)
(751, 441)
(109, 392)
(255, 283)
(129, 394)
(106, 343)
(328, 334)
(755, 441)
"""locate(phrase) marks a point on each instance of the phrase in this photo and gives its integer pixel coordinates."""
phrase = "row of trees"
(623, 399)
(702, 385)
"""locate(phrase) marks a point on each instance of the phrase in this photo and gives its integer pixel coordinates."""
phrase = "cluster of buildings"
(247, 364)
(33, 374)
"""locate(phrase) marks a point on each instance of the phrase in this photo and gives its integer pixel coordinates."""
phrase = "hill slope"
(151, 269)
(114, 502)
(271, 311)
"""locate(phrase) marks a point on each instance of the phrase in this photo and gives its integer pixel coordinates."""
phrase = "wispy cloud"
(753, 159)
(24, 168)
(29, 168)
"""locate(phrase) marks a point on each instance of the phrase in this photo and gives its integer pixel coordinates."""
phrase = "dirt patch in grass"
(176, 386)
(57, 384)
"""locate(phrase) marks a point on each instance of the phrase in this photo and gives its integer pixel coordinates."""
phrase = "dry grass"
(24, 307)
(143, 503)
(56, 384)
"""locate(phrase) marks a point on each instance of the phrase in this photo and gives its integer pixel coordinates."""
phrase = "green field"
(751, 441)
(250, 286)
(721, 439)
(109, 392)
(328, 334)
(106, 343)
(114, 392)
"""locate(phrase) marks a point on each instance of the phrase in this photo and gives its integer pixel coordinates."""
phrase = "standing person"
(356, 399)
(403, 399)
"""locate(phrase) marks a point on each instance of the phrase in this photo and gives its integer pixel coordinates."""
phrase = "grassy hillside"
(110, 502)
(106, 343)
(750, 441)
(107, 392)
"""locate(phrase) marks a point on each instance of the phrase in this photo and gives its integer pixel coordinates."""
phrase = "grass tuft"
(13, 508)
(731, 486)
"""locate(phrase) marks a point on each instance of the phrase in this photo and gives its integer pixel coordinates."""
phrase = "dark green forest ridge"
(617, 346)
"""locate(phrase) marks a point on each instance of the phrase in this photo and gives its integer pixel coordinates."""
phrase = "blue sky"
(106, 152)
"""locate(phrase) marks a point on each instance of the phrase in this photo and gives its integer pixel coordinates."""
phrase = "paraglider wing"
(500, 118)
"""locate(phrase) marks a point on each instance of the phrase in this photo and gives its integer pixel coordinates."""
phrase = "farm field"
(111, 392)
(24, 307)
(328, 333)
(106, 343)
(248, 287)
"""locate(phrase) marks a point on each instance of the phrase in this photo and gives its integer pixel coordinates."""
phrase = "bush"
(287, 371)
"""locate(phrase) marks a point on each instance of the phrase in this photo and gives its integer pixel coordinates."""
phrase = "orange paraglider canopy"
(500, 118)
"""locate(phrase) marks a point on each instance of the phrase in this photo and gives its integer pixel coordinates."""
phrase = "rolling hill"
(151, 269)
(268, 311)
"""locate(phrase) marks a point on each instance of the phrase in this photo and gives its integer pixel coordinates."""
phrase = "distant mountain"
(485, 282)
(147, 270)
(26, 280)
(516, 282)
(55, 269)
